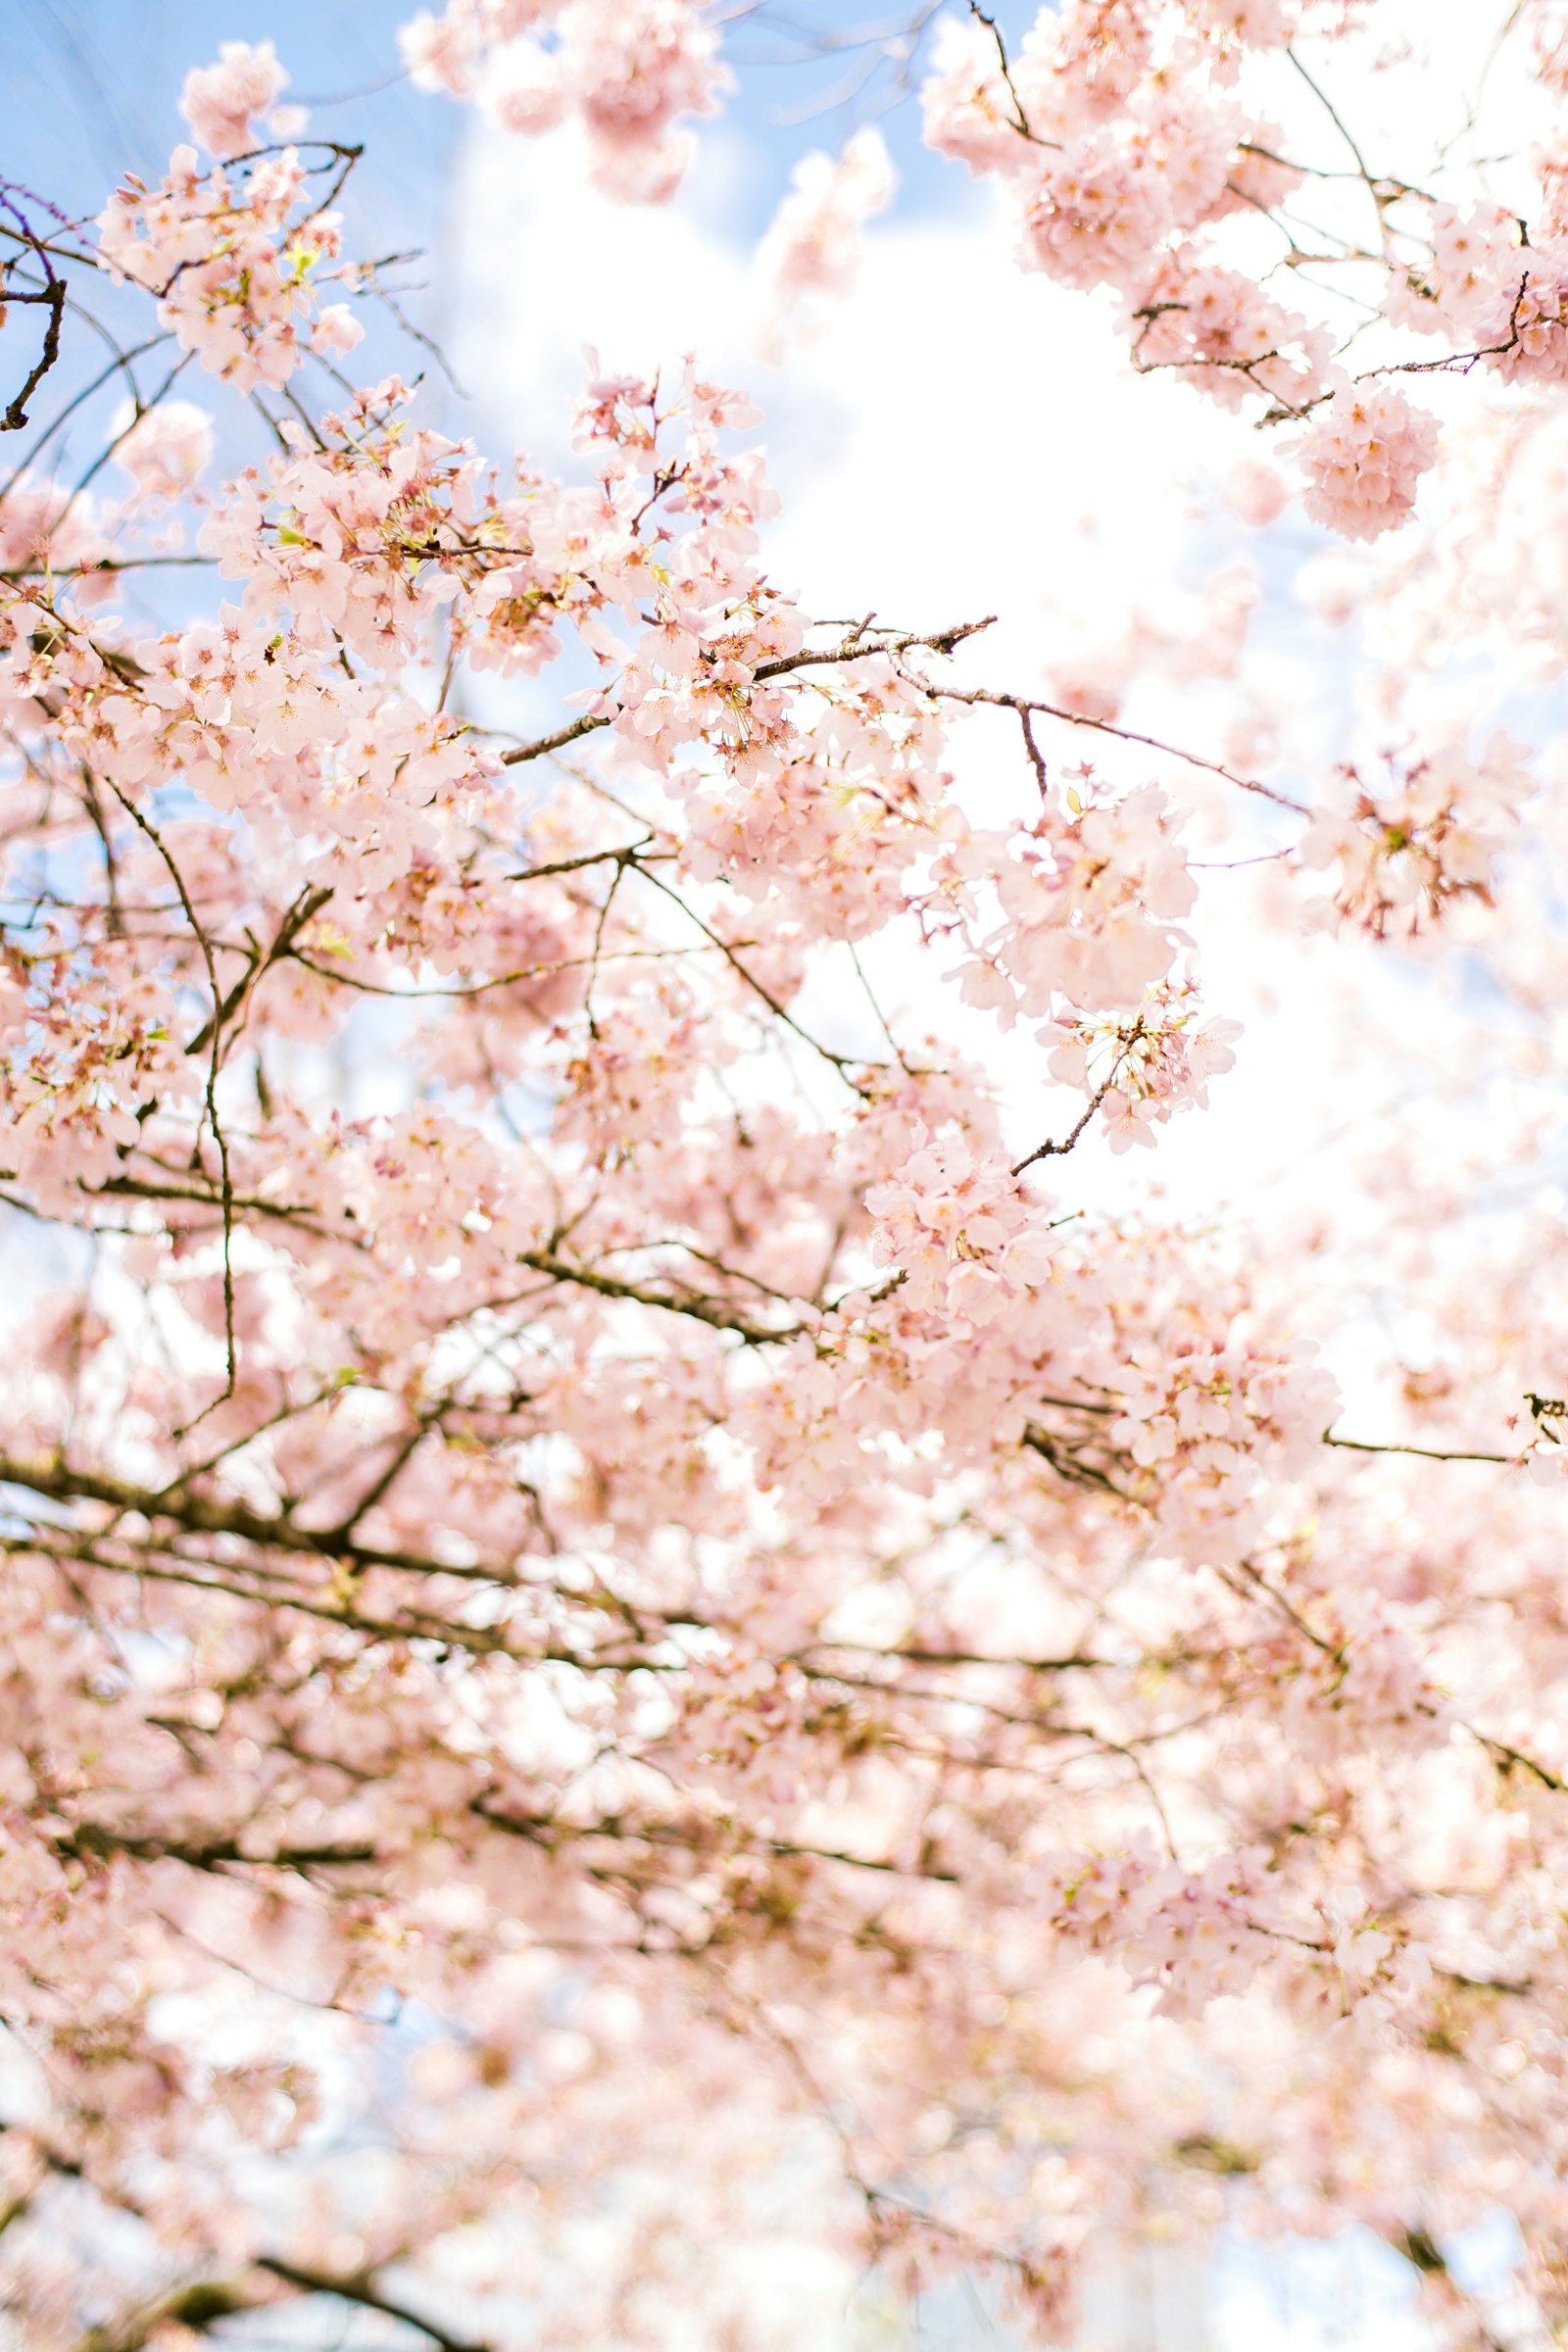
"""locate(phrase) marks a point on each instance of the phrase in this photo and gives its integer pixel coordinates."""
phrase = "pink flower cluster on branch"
(628, 71)
(1431, 836)
(233, 264)
(1140, 147)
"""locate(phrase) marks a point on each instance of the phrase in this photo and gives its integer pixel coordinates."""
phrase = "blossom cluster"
(1088, 895)
(1120, 158)
(629, 71)
(1489, 286)
(1195, 1937)
(1134, 142)
(44, 522)
(235, 263)
(164, 451)
(1201, 1935)
(1144, 1068)
(967, 1239)
(1227, 339)
(814, 239)
(1204, 1415)
(228, 104)
(1130, 136)
(593, 1520)
(1428, 837)
(1363, 454)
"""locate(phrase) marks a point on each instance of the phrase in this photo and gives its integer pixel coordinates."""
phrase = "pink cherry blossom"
(1363, 454)
(167, 449)
(224, 102)
(630, 71)
(834, 1397)
(813, 242)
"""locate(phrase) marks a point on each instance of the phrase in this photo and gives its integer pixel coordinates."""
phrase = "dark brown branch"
(1050, 1150)
(1020, 120)
(361, 2287)
(102, 1840)
(713, 1313)
(200, 2304)
(310, 902)
(1428, 1453)
(226, 1181)
(54, 295)
(195, 2306)
(178, 1506)
(1510, 1759)
(857, 647)
(1025, 704)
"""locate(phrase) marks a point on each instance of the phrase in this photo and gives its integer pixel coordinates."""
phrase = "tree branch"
(854, 648)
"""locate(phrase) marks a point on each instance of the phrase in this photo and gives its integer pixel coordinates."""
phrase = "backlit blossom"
(682, 1435)
(1363, 455)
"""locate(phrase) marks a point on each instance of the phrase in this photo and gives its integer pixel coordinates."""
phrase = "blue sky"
(92, 87)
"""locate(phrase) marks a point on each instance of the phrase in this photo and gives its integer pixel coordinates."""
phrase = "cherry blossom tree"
(716, 1550)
